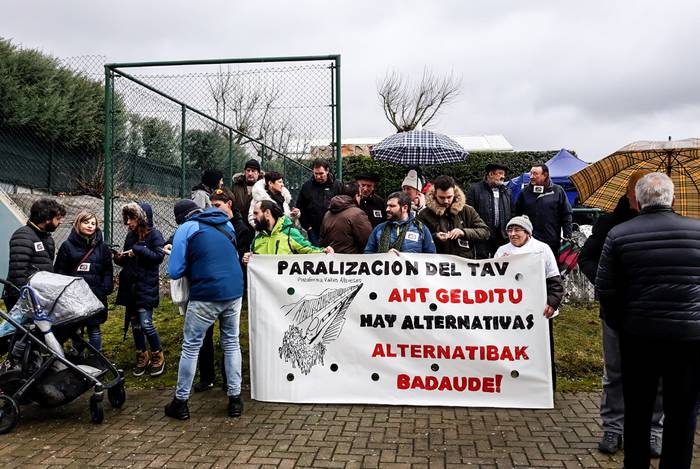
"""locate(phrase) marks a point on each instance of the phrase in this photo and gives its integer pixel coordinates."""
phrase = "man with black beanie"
(243, 186)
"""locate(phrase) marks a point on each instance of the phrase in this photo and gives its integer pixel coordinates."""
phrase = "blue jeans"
(142, 327)
(94, 338)
(199, 317)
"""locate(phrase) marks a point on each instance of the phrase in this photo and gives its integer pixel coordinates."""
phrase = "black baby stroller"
(51, 309)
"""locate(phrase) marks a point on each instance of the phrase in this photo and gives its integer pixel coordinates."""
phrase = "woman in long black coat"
(139, 284)
(85, 254)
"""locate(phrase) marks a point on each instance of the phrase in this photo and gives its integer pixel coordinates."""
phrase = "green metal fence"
(167, 122)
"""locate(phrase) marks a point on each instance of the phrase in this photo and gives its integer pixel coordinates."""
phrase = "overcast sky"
(591, 75)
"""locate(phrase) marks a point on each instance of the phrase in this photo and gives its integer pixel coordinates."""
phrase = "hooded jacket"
(259, 194)
(550, 212)
(345, 226)
(200, 196)
(96, 269)
(31, 250)
(139, 278)
(207, 257)
(283, 239)
(647, 280)
(314, 199)
(241, 196)
(457, 215)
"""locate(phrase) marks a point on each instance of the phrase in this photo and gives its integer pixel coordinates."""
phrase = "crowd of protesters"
(220, 230)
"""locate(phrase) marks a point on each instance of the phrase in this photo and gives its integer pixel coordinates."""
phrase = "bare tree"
(277, 134)
(407, 105)
(248, 109)
(220, 89)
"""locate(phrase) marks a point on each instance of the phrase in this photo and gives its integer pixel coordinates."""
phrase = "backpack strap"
(92, 249)
(223, 231)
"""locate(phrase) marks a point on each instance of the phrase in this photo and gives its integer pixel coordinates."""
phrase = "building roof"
(468, 142)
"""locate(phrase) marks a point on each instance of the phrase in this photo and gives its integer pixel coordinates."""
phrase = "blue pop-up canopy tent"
(561, 166)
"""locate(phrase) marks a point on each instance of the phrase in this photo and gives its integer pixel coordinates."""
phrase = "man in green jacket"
(277, 234)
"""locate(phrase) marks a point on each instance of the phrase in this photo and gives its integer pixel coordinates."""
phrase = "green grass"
(169, 323)
(578, 348)
(577, 338)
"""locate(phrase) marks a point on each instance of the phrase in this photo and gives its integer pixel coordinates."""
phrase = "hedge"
(465, 173)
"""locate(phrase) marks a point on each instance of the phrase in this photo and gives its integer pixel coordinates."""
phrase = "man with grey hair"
(648, 289)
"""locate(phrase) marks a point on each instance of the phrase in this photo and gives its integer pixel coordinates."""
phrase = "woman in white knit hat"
(521, 241)
(412, 185)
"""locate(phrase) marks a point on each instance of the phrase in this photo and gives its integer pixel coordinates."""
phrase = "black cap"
(494, 167)
(253, 164)
(368, 176)
(183, 208)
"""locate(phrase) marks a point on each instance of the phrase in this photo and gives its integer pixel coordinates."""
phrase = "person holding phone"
(139, 285)
(454, 225)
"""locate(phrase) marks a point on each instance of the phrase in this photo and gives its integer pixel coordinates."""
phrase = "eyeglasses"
(514, 229)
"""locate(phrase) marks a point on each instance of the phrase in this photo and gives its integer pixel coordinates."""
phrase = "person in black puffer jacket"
(31, 247)
(139, 283)
(547, 206)
(647, 285)
(612, 406)
(315, 198)
(84, 254)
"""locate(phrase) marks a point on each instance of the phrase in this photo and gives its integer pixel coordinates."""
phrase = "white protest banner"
(414, 329)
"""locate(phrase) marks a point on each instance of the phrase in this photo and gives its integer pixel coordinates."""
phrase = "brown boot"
(157, 364)
(142, 360)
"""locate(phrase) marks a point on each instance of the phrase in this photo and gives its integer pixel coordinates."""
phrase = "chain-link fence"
(166, 124)
(51, 130)
(168, 128)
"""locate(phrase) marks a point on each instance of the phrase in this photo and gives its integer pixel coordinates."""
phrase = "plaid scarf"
(386, 236)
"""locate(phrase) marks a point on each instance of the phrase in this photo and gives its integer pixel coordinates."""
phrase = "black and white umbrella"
(418, 148)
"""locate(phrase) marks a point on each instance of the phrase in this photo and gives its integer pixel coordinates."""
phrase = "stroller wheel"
(117, 395)
(9, 414)
(97, 413)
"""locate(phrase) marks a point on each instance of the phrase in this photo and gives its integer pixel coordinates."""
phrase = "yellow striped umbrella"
(602, 183)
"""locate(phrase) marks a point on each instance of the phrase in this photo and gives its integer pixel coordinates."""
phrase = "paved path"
(281, 435)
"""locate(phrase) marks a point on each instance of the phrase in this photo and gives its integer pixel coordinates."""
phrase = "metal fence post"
(338, 136)
(183, 162)
(230, 157)
(108, 156)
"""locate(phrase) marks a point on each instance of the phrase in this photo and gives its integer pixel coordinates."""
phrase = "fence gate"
(167, 122)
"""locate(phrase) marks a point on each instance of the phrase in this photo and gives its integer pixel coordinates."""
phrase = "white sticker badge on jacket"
(378, 214)
(84, 267)
(39, 246)
(412, 236)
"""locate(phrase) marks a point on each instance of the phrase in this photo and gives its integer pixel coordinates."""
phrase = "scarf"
(386, 236)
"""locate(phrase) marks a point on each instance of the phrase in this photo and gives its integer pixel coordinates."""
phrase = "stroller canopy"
(62, 298)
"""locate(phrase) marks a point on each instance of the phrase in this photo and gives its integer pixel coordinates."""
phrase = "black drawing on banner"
(316, 321)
